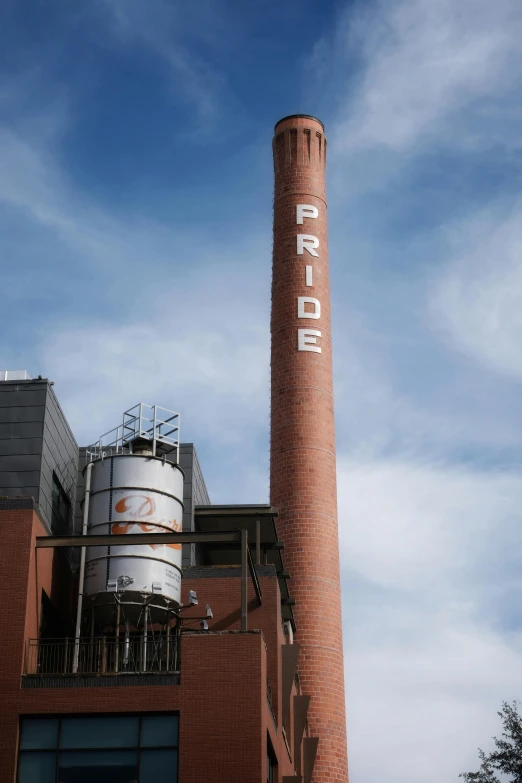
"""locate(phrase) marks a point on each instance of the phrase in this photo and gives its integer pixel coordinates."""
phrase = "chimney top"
(297, 116)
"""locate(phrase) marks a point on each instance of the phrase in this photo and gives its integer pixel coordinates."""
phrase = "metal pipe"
(126, 646)
(104, 654)
(178, 649)
(244, 579)
(82, 569)
(91, 643)
(258, 542)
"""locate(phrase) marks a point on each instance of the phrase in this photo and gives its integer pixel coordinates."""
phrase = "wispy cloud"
(179, 349)
(170, 30)
(476, 301)
(428, 592)
(423, 63)
(159, 313)
(192, 337)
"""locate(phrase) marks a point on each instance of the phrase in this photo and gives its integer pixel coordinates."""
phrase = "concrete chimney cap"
(297, 116)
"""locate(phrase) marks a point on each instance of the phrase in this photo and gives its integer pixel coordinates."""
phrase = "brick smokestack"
(302, 451)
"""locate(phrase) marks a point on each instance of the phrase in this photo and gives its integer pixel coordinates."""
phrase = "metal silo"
(135, 486)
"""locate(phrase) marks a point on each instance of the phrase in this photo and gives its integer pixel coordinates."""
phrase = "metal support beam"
(309, 753)
(138, 539)
(244, 582)
(301, 704)
(290, 655)
(255, 580)
(258, 542)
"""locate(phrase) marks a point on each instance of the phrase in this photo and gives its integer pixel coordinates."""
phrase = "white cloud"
(423, 64)
(419, 709)
(178, 350)
(477, 299)
(427, 662)
(32, 182)
(173, 322)
(396, 395)
(408, 524)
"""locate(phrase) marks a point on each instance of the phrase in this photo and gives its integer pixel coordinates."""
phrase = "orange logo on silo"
(143, 506)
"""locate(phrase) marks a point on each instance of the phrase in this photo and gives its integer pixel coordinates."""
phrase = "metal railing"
(103, 655)
(151, 422)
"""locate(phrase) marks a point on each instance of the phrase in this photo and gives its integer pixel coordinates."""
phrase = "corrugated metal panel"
(20, 413)
(13, 446)
(20, 462)
(22, 398)
(35, 442)
(19, 429)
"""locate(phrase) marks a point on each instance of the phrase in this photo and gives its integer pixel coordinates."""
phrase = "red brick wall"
(224, 598)
(219, 699)
(303, 465)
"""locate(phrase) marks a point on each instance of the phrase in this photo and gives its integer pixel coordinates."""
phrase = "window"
(107, 749)
(61, 507)
(271, 762)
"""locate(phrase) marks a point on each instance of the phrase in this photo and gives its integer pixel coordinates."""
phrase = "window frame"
(65, 716)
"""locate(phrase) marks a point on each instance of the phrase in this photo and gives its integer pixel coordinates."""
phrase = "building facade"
(210, 692)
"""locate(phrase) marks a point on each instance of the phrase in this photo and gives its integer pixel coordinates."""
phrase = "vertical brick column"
(302, 453)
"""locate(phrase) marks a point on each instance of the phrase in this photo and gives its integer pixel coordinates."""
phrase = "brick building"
(220, 700)
(176, 645)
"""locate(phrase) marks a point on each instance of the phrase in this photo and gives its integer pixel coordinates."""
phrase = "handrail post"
(167, 642)
(244, 579)
(117, 640)
(144, 640)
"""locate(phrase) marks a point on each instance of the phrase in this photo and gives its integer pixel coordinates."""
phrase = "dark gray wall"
(59, 456)
(22, 414)
(35, 441)
(194, 494)
(80, 489)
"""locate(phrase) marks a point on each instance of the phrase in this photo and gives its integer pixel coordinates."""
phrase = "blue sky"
(135, 244)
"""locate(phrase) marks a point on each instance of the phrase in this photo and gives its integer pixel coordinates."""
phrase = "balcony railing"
(103, 655)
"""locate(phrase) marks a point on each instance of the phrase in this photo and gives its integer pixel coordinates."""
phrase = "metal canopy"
(265, 546)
